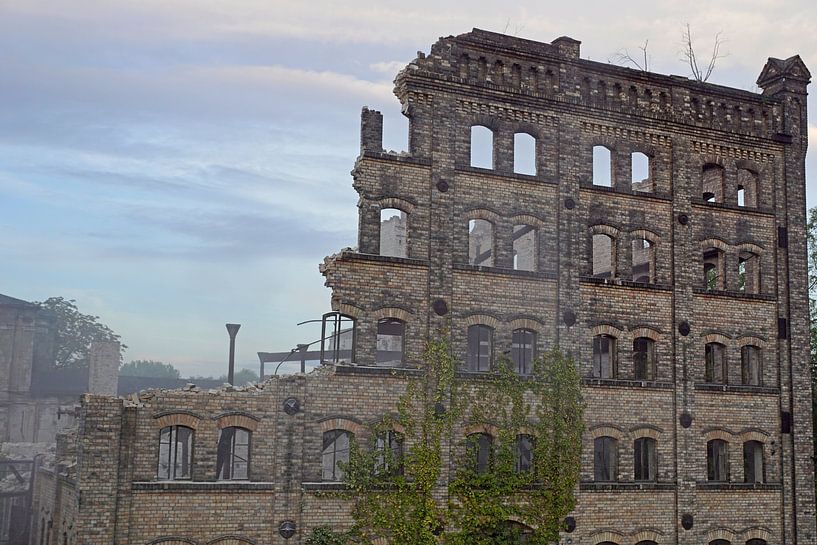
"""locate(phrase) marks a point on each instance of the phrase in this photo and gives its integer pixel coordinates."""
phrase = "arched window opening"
(602, 166)
(523, 453)
(175, 453)
(717, 460)
(715, 356)
(524, 247)
(720, 542)
(644, 358)
(747, 188)
(393, 232)
(603, 256)
(482, 147)
(337, 338)
(511, 532)
(389, 448)
(748, 272)
(465, 66)
(498, 75)
(480, 451)
(516, 75)
(713, 177)
(644, 459)
(713, 269)
(647, 542)
(753, 468)
(641, 173)
(643, 261)
(391, 334)
(523, 351)
(524, 154)
(605, 459)
(482, 69)
(480, 348)
(756, 541)
(233, 460)
(604, 356)
(335, 454)
(751, 365)
(481, 243)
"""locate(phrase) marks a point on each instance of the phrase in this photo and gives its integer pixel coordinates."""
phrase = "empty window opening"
(602, 166)
(748, 272)
(516, 75)
(523, 453)
(747, 188)
(641, 175)
(482, 69)
(753, 470)
(644, 459)
(465, 66)
(335, 454)
(524, 247)
(604, 356)
(751, 365)
(480, 447)
(482, 147)
(337, 338)
(717, 460)
(603, 256)
(643, 261)
(715, 363)
(481, 243)
(756, 541)
(644, 358)
(712, 183)
(233, 460)
(722, 542)
(605, 459)
(480, 348)
(523, 351)
(393, 232)
(390, 342)
(524, 154)
(389, 448)
(713, 269)
(498, 75)
(175, 452)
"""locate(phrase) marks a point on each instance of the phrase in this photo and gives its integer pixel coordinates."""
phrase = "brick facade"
(688, 130)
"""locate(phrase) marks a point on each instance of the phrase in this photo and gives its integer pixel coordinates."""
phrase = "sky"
(174, 165)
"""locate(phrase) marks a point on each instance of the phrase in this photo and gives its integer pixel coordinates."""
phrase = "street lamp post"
(232, 329)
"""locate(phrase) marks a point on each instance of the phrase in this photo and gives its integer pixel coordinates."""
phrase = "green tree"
(75, 332)
(148, 368)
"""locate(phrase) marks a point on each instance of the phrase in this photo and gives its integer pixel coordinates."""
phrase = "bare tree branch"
(688, 55)
(622, 57)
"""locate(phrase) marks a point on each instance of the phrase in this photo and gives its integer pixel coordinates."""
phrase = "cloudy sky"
(174, 165)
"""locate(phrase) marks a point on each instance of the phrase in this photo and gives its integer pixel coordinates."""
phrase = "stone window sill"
(593, 486)
(706, 485)
(202, 485)
(736, 388)
(626, 383)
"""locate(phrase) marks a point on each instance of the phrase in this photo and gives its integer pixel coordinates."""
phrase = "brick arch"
(716, 338)
(645, 430)
(483, 120)
(347, 309)
(187, 419)
(396, 202)
(607, 535)
(757, 532)
(719, 433)
(714, 243)
(483, 214)
(528, 219)
(754, 434)
(386, 422)
(750, 247)
(392, 312)
(647, 535)
(172, 540)
(526, 323)
(341, 423)
(655, 238)
(482, 319)
(525, 128)
(746, 164)
(607, 329)
(606, 141)
(231, 540)
(606, 430)
(645, 331)
(481, 427)
(710, 159)
(721, 533)
(604, 229)
(751, 340)
(238, 420)
(519, 520)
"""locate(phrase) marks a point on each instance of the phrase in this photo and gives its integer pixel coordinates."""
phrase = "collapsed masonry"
(679, 289)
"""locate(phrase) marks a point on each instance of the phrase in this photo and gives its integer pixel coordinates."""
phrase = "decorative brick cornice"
(735, 153)
(619, 133)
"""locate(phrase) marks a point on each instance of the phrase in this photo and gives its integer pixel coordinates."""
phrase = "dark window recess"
(717, 461)
(480, 348)
(233, 461)
(785, 422)
(605, 459)
(389, 449)
(523, 351)
(782, 237)
(782, 328)
(644, 459)
(480, 447)
(523, 453)
(753, 466)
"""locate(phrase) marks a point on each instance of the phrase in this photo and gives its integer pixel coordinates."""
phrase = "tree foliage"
(148, 368)
(75, 332)
(405, 506)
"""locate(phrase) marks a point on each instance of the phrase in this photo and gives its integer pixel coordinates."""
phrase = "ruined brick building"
(656, 231)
